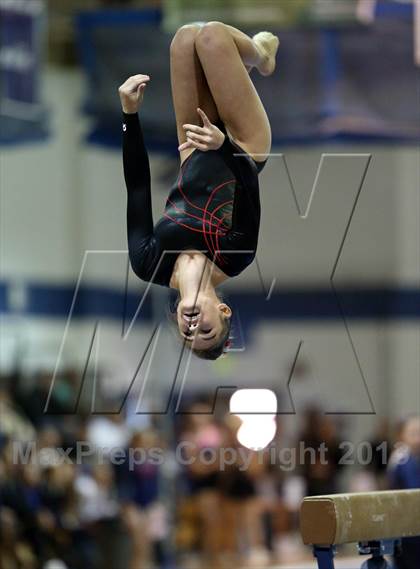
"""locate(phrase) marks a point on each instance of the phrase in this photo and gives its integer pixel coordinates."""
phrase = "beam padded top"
(350, 518)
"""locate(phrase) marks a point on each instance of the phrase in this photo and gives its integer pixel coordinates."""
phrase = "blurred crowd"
(92, 491)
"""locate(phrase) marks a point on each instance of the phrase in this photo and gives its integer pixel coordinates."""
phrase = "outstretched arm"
(136, 171)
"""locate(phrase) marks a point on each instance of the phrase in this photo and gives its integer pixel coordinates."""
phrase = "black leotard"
(213, 207)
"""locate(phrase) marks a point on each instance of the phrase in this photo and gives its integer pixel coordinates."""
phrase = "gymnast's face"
(202, 325)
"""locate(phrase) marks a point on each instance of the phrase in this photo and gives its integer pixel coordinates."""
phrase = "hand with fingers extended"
(206, 137)
(132, 92)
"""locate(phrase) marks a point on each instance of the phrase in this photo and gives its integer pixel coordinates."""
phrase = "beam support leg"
(324, 556)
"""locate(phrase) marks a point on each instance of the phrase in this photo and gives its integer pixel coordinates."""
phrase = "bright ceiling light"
(257, 410)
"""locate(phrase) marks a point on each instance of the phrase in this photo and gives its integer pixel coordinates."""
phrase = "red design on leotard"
(211, 224)
(209, 241)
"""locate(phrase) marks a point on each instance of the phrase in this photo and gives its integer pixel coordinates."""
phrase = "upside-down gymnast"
(209, 229)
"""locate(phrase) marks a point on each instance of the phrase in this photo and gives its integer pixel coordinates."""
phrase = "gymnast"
(209, 229)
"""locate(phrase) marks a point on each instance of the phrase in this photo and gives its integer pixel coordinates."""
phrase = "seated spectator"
(98, 511)
(107, 432)
(14, 552)
(13, 424)
(242, 505)
(404, 474)
(320, 472)
(201, 437)
(138, 487)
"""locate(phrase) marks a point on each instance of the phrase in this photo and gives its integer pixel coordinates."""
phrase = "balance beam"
(375, 520)
(367, 516)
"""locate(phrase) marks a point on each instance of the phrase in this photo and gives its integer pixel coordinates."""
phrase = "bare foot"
(267, 45)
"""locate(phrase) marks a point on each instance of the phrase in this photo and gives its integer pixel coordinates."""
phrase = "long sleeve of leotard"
(246, 207)
(139, 203)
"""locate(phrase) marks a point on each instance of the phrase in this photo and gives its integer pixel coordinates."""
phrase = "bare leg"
(230, 511)
(137, 529)
(224, 52)
(209, 507)
(246, 47)
(189, 85)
